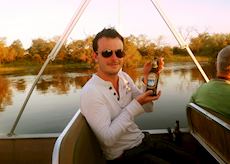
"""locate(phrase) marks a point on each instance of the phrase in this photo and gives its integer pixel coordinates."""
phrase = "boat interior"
(77, 142)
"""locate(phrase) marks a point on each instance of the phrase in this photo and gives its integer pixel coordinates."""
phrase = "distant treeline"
(137, 49)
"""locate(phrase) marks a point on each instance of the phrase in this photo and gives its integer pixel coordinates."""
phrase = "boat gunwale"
(27, 136)
(209, 115)
(57, 145)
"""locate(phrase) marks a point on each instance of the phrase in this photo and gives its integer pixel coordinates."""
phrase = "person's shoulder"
(89, 86)
(206, 87)
(213, 83)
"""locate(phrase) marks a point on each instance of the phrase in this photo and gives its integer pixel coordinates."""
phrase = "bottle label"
(152, 80)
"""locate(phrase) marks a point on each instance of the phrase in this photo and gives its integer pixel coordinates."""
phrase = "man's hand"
(147, 97)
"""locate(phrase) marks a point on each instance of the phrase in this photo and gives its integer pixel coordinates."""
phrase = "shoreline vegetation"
(35, 67)
(78, 53)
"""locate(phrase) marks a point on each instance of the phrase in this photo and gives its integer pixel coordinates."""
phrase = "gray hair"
(223, 61)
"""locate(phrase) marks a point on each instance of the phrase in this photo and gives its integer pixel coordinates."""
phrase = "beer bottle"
(153, 78)
(177, 133)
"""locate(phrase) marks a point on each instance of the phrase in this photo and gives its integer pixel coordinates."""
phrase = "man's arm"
(95, 108)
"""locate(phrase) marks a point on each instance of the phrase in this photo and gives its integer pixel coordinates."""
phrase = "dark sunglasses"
(107, 53)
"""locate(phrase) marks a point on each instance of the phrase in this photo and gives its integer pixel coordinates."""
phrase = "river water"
(56, 98)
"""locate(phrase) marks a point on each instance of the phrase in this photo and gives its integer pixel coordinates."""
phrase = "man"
(110, 101)
(215, 94)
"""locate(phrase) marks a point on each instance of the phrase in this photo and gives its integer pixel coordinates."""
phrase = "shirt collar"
(99, 80)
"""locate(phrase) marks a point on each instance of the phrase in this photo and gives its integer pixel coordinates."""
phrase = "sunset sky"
(28, 19)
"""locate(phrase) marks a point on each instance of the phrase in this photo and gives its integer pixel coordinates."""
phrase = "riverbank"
(33, 68)
(177, 58)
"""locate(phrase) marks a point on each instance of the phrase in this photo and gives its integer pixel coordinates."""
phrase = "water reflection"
(56, 98)
(20, 85)
(60, 83)
(80, 81)
(5, 93)
(57, 83)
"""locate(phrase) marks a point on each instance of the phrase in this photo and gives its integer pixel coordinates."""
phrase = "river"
(56, 98)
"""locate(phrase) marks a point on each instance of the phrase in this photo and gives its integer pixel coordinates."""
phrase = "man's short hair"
(108, 33)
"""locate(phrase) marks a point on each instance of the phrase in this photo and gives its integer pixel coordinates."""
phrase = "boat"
(78, 144)
(207, 137)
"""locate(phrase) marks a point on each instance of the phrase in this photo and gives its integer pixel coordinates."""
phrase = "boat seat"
(77, 144)
(212, 130)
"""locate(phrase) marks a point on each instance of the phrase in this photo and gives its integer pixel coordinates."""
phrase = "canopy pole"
(179, 38)
(52, 56)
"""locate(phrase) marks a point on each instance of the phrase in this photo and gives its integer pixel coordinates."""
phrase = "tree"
(197, 43)
(61, 56)
(16, 50)
(179, 51)
(209, 45)
(81, 51)
(145, 47)
(41, 47)
(77, 51)
(3, 50)
(132, 56)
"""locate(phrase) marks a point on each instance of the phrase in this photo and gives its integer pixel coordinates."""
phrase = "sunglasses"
(107, 53)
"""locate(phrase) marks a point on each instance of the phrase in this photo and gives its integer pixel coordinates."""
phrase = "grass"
(27, 66)
(187, 58)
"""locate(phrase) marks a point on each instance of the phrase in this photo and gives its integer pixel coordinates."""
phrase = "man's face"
(109, 65)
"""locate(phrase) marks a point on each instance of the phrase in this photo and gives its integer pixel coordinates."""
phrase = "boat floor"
(187, 143)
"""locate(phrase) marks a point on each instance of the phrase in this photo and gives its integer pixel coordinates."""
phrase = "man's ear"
(95, 56)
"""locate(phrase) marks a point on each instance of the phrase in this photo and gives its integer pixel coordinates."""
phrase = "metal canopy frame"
(69, 29)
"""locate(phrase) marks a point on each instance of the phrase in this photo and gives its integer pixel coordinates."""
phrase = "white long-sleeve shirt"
(111, 116)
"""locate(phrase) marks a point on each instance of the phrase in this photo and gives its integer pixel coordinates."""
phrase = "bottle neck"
(154, 70)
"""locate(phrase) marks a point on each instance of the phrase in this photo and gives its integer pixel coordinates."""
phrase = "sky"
(29, 19)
